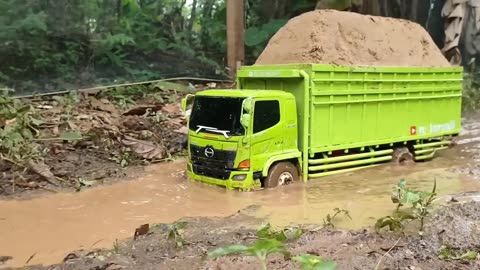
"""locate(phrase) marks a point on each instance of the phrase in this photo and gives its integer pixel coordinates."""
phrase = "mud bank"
(456, 225)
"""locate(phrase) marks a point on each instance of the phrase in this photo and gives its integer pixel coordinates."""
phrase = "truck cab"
(243, 139)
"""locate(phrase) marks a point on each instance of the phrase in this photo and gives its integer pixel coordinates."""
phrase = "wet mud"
(456, 225)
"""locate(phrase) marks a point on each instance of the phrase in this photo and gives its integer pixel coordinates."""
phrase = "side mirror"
(247, 105)
(245, 120)
(185, 102)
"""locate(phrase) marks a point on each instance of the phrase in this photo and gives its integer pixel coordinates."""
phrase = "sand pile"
(345, 38)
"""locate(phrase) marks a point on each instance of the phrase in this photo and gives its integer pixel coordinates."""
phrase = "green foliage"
(255, 36)
(261, 249)
(290, 233)
(420, 203)
(328, 220)
(394, 222)
(271, 241)
(448, 253)
(51, 45)
(17, 131)
(175, 233)
(311, 262)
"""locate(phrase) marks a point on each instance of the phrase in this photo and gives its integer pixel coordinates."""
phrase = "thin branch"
(386, 253)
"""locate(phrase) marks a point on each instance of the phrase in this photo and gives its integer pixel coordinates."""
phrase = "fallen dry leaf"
(142, 109)
(43, 170)
(72, 125)
(102, 105)
(81, 117)
(45, 107)
(175, 121)
(56, 130)
(171, 108)
(145, 149)
(182, 130)
(105, 122)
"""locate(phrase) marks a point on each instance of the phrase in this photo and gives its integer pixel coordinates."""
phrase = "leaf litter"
(61, 141)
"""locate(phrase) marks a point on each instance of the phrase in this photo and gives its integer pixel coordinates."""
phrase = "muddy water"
(51, 226)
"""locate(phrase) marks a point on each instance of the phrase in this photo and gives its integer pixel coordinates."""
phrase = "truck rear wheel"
(402, 156)
(280, 174)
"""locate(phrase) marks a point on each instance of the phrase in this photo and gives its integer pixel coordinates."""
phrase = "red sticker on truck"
(413, 130)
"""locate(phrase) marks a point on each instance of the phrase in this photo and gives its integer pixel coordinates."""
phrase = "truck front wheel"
(282, 173)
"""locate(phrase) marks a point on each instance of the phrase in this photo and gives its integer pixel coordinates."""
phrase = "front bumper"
(247, 184)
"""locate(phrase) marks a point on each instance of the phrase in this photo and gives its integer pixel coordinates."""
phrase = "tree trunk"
(193, 16)
(206, 13)
(119, 9)
(269, 9)
(413, 14)
(371, 7)
(385, 9)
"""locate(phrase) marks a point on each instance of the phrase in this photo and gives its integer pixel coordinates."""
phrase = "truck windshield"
(217, 115)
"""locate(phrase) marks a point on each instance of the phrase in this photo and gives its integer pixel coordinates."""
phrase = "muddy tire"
(402, 156)
(280, 174)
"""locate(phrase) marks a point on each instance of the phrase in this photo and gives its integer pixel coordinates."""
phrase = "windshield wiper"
(213, 130)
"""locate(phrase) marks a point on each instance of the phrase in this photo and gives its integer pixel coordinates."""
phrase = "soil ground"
(456, 225)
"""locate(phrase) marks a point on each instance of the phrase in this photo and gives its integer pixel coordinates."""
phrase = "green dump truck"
(291, 122)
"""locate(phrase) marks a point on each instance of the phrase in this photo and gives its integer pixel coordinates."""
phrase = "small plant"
(328, 220)
(311, 262)
(125, 158)
(448, 253)
(175, 233)
(420, 203)
(116, 246)
(395, 222)
(261, 249)
(267, 232)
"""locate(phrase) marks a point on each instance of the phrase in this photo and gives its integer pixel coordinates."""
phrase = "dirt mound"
(345, 38)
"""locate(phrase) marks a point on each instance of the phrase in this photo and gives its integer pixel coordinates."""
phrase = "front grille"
(220, 159)
(217, 165)
(211, 172)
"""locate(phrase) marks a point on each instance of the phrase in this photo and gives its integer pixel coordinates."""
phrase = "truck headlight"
(239, 177)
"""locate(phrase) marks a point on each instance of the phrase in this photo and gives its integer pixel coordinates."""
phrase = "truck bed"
(343, 107)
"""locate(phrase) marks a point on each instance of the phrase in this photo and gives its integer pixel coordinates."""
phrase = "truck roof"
(245, 93)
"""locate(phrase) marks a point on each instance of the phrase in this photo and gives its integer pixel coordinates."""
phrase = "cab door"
(266, 138)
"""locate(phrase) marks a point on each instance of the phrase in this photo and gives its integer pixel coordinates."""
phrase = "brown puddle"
(52, 226)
